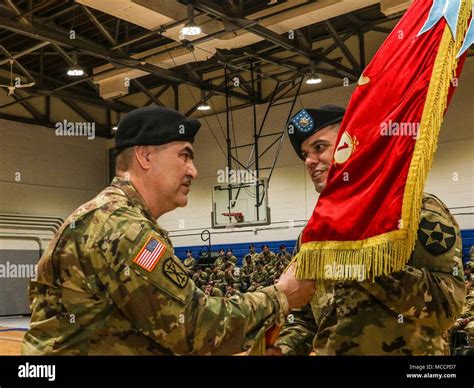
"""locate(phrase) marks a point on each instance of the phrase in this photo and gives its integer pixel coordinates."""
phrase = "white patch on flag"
(150, 254)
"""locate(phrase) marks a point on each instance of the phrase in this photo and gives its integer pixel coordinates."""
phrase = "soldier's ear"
(142, 156)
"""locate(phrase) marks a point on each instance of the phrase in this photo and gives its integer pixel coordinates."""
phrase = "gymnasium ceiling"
(133, 55)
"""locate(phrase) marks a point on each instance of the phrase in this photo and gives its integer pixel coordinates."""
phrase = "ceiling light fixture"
(203, 105)
(191, 28)
(313, 77)
(75, 70)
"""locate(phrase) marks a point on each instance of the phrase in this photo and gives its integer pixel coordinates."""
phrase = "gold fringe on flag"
(389, 252)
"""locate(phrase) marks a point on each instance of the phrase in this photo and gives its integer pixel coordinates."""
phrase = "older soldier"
(109, 282)
(405, 313)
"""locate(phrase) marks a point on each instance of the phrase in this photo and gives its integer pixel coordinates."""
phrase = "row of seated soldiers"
(225, 278)
(462, 333)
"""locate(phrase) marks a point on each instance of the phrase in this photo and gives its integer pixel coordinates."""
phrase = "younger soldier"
(404, 313)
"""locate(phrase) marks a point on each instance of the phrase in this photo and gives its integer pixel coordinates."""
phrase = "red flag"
(368, 214)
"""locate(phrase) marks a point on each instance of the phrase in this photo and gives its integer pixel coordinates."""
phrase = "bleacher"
(241, 249)
(467, 236)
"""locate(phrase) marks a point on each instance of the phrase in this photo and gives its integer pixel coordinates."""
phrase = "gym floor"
(12, 330)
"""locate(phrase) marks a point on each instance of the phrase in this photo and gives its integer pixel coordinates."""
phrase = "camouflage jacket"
(405, 313)
(468, 308)
(258, 277)
(189, 262)
(92, 296)
(267, 258)
(247, 270)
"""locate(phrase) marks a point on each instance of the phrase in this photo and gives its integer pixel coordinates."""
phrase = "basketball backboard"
(240, 204)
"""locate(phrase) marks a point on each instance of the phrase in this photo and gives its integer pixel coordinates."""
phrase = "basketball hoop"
(239, 217)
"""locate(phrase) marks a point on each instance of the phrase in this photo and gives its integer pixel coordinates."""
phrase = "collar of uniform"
(129, 190)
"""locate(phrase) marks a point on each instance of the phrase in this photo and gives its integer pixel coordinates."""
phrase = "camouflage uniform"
(270, 270)
(468, 314)
(220, 261)
(284, 256)
(279, 270)
(254, 257)
(257, 279)
(90, 297)
(190, 263)
(405, 313)
(220, 282)
(215, 292)
(267, 258)
(229, 277)
(232, 259)
(246, 272)
(200, 279)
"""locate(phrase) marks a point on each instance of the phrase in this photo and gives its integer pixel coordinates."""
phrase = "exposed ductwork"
(153, 14)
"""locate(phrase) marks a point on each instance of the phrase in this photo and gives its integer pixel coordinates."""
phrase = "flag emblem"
(347, 145)
(150, 254)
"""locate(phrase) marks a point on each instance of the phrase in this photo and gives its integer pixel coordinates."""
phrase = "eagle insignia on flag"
(150, 254)
(303, 122)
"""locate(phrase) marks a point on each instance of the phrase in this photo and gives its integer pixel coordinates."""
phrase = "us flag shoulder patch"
(150, 254)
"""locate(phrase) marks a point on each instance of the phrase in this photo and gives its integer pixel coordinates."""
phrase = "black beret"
(307, 122)
(282, 246)
(154, 125)
(264, 246)
(189, 251)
